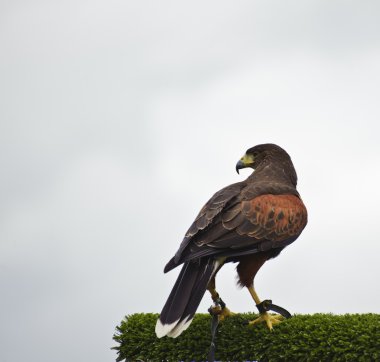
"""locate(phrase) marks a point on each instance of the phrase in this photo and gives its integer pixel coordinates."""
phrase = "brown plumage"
(247, 222)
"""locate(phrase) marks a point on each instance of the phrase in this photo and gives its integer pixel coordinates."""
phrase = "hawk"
(248, 223)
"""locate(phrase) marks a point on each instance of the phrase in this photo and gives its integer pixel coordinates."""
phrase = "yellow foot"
(225, 312)
(222, 312)
(269, 319)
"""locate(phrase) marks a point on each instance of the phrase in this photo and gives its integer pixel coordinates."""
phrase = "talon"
(269, 319)
(225, 312)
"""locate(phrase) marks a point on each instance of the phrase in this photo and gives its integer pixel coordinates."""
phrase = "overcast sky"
(120, 119)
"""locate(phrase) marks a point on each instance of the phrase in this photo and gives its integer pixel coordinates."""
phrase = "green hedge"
(318, 337)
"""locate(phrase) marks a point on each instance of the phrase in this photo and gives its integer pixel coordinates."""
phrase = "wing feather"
(229, 221)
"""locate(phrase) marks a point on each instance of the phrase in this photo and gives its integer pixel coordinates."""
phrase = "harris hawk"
(248, 223)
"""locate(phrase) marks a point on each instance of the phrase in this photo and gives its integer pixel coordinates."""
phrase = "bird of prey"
(247, 222)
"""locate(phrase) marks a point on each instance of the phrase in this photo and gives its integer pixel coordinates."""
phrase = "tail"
(185, 297)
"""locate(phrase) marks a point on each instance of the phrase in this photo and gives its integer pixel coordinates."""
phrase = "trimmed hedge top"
(318, 337)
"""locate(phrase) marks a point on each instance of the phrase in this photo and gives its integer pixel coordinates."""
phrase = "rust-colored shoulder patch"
(271, 217)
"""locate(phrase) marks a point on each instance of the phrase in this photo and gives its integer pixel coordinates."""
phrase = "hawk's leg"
(219, 306)
(269, 319)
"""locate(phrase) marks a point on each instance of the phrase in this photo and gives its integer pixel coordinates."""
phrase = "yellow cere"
(247, 160)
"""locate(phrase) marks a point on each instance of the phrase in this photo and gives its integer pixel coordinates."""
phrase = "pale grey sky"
(120, 119)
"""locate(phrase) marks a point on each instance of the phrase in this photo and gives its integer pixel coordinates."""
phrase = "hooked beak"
(239, 165)
(245, 161)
